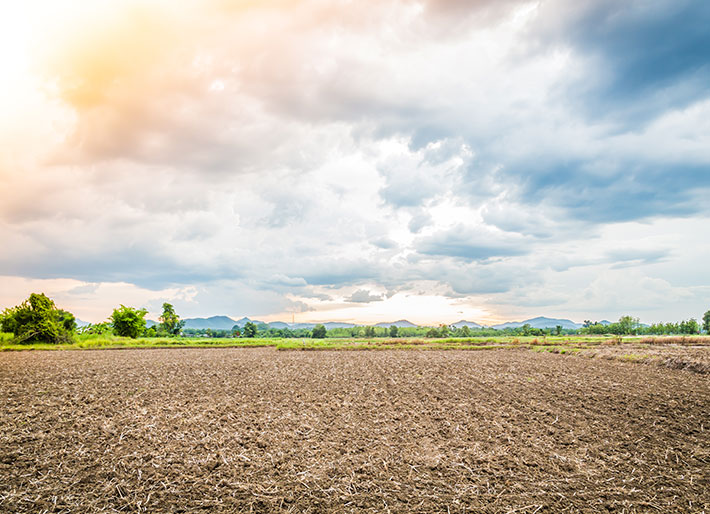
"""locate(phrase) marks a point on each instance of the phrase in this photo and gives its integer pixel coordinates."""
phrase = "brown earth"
(256, 430)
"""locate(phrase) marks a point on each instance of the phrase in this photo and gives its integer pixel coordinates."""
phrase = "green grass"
(94, 342)
(108, 342)
(554, 344)
(558, 349)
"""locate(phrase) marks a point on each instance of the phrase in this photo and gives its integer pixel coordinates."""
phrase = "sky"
(363, 161)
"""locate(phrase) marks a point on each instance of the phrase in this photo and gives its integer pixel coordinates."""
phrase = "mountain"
(540, 322)
(294, 326)
(243, 321)
(214, 323)
(469, 324)
(81, 323)
(278, 324)
(402, 323)
(337, 324)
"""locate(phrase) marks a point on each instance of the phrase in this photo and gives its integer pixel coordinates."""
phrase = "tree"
(558, 329)
(465, 331)
(97, 329)
(37, 319)
(689, 327)
(170, 322)
(319, 332)
(706, 322)
(394, 331)
(249, 329)
(627, 325)
(369, 331)
(128, 322)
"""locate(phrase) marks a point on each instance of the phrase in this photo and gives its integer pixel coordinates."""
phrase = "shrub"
(319, 332)
(128, 322)
(250, 329)
(37, 319)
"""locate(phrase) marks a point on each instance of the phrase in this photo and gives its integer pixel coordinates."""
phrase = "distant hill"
(469, 324)
(294, 326)
(278, 324)
(337, 324)
(243, 321)
(402, 323)
(214, 323)
(226, 323)
(540, 322)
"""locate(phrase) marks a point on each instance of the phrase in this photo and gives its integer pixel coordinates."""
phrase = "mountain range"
(226, 323)
(540, 322)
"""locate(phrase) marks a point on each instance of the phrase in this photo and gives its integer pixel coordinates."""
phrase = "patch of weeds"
(632, 357)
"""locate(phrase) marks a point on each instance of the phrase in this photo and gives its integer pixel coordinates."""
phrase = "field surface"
(260, 430)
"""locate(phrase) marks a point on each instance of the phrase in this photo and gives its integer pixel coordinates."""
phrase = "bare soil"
(256, 430)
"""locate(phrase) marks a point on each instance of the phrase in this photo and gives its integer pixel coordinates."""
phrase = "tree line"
(38, 319)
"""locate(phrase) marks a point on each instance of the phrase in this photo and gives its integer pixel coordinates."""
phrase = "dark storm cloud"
(646, 56)
(618, 190)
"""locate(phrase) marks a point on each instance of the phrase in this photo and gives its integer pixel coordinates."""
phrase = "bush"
(170, 322)
(319, 332)
(128, 322)
(37, 320)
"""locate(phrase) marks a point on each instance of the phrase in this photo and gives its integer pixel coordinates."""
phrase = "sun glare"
(31, 30)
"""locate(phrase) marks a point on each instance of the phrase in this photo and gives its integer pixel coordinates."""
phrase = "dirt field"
(256, 430)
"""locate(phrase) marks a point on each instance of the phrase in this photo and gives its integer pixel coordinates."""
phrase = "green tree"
(170, 322)
(465, 331)
(128, 322)
(558, 329)
(627, 325)
(394, 330)
(369, 331)
(319, 332)
(706, 322)
(249, 329)
(432, 332)
(37, 319)
(689, 327)
(97, 329)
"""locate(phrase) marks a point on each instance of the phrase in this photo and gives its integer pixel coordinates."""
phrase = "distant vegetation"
(38, 320)
(631, 326)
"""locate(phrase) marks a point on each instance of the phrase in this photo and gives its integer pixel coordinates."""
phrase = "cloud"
(363, 296)
(643, 58)
(629, 257)
(85, 289)
(271, 153)
(471, 244)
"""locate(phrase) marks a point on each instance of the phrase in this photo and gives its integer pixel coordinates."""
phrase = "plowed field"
(257, 430)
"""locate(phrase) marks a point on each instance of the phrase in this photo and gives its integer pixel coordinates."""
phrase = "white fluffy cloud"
(265, 158)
